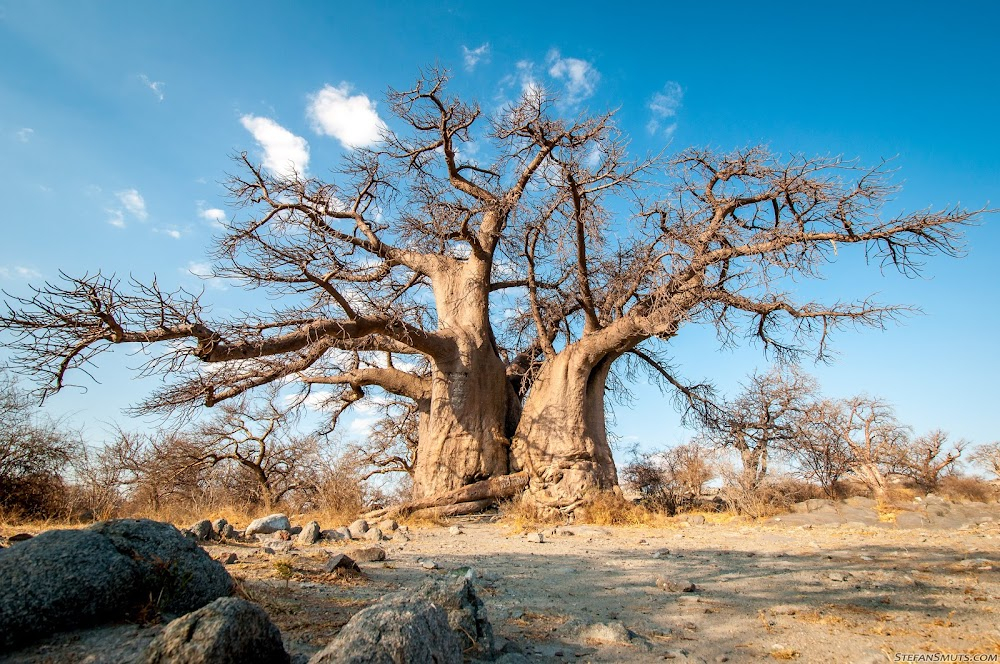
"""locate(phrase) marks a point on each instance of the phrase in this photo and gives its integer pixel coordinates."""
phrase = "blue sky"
(118, 121)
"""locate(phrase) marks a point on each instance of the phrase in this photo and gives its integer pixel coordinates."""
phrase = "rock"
(333, 535)
(838, 576)
(228, 558)
(20, 537)
(229, 630)
(466, 611)
(613, 632)
(295, 530)
(174, 572)
(228, 532)
(661, 553)
(61, 580)
(268, 550)
(341, 561)
(368, 554)
(389, 525)
(219, 525)
(454, 530)
(428, 564)
(345, 532)
(670, 585)
(538, 538)
(374, 535)
(695, 519)
(271, 523)
(203, 530)
(398, 629)
(310, 534)
(358, 528)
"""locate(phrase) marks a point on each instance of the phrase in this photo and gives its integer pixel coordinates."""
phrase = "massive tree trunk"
(465, 436)
(562, 439)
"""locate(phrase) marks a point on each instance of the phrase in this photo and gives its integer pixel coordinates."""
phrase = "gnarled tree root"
(481, 494)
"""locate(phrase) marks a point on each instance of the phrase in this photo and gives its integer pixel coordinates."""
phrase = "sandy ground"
(591, 594)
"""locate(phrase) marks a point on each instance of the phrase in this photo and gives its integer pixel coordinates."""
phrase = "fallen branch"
(493, 489)
(458, 509)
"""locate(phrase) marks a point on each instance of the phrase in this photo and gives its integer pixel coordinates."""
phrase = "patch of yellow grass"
(612, 509)
(785, 654)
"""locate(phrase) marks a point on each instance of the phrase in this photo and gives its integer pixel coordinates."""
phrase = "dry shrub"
(959, 488)
(606, 508)
(521, 515)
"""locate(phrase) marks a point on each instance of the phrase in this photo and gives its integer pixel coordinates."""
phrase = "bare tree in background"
(926, 459)
(765, 419)
(820, 453)
(671, 479)
(988, 456)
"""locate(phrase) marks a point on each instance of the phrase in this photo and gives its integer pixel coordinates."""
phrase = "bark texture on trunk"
(562, 441)
(465, 436)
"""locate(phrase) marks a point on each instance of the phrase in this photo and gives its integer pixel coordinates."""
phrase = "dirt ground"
(615, 594)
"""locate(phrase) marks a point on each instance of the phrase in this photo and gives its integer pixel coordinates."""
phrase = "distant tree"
(988, 456)
(672, 478)
(868, 432)
(926, 459)
(766, 418)
(820, 453)
(34, 452)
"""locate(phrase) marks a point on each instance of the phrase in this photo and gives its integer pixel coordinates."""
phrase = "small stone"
(271, 523)
(374, 535)
(228, 532)
(359, 527)
(661, 553)
(295, 530)
(310, 534)
(268, 550)
(838, 576)
(537, 538)
(332, 535)
(341, 561)
(369, 554)
(673, 586)
(695, 519)
(283, 535)
(203, 530)
(389, 525)
(227, 558)
(219, 525)
(429, 564)
(454, 530)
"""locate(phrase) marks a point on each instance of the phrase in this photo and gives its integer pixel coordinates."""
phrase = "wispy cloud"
(663, 107)
(351, 119)
(473, 56)
(285, 154)
(205, 272)
(155, 86)
(24, 134)
(214, 215)
(579, 77)
(116, 217)
(133, 203)
(170, 231)
(19, 272)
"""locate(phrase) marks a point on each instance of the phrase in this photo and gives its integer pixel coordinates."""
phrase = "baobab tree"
(719, 250)
(386, 276)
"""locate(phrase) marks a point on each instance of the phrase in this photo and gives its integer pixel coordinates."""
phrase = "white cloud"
(170, 231)
(473, 56)
(116, 218)
(352, 120)
(285, 154)
(663, 106)
(134, 203)
(215, 215)
(579, 76)
(24, 134)
(155, 86)
(19, 272)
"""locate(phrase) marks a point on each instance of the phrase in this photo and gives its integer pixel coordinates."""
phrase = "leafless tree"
(34, 452)
(670, 479)
(386, 277)
(765, 419)
(988, 456)
(819, 454)
(872, 437)
(722, 249)
(926, 459)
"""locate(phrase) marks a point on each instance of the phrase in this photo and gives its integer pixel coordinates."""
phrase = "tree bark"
(562, 441)
(465, 436)
(491, 490)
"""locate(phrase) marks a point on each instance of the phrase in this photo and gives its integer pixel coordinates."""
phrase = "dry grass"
(520, 516)
(612, 509)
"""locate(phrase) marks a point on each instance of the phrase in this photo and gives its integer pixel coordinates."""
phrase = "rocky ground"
(826, 583)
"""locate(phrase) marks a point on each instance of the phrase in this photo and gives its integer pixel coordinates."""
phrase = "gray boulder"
(219, 525)
(388, 525)
(358, 528)
(227, 631)
(310, 534)
(265, 525)
(368, 554)
(397, 630)
(374, 535)
(226, 531)
(60, 580)
(174, 572)
(203, 530)
(466, 612)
